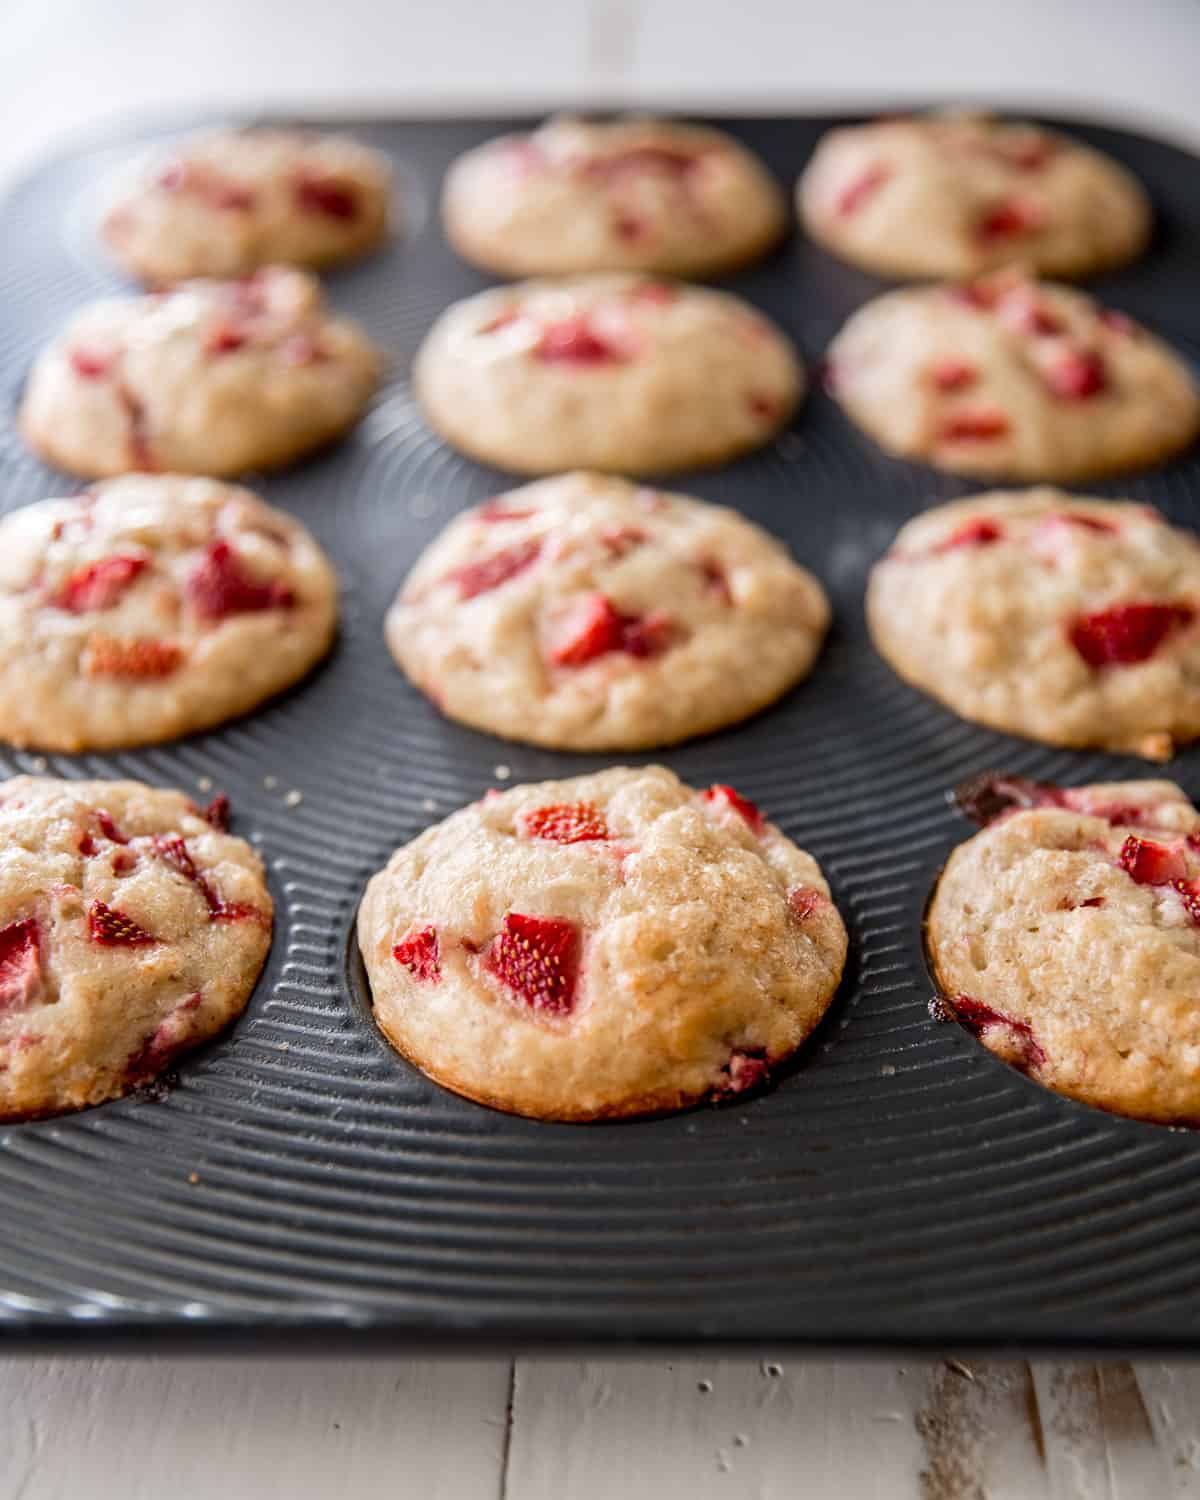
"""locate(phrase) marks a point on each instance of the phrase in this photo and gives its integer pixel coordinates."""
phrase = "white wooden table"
(534, 1429)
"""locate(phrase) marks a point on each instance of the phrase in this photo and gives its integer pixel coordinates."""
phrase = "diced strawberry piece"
(238, 911)
(622, 539)
(1022, 311)
(953, 375)
(1077, 374)
(217, 813)
(123, 860)
(113, 656)
(746, 1071)
(981, 296)
(565, 823)
(1189, 894)
(481, 577)
(855, 194)
(108, 828)
(1008, 220)
(974, 427)
(225, 338)
(172, 1035)
(978, 532)
(492, 511)
(763, 406)
(142, 456)
(98, 585)
(324, 195)
(174, 853)
(420, 954)
(219, 586)
(1126, 634)
(804, 900)
(978, 1018)
(641, 159)
(986, 797)
(594, 627)
(91, 364)
(113, 929)
(538, 959)
(1149, 863)
(1086, 523)
(573, 341)
(720, 796)
(20, 964)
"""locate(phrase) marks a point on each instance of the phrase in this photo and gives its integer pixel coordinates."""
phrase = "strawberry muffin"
(958, 194)
(612, 945)
(1067, 620)
(132, 928)
(152, 606)
(213, 377)
(585, 613)
(633, 194)
(1012, 378)
(606, 372)
(1066, 937)
(229, 202)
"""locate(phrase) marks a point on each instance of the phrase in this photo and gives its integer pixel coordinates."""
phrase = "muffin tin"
(897, 1186)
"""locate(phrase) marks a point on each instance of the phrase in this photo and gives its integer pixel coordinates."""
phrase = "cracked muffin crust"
(152, 606)
(955, 195)
(585, 613)
(228, 202)
(1064, 619)
(132, 928)
(212, 377)
(633, 194)
(1012, 378)
(1066, 936)
(605, 372)
(612, 945)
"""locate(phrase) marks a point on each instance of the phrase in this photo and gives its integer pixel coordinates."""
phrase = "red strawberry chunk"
(594, 627)
(108, 828)
(974, 426)
(981, 296)
(98, 585)
(219, 586)
(324, 195)
(716, 580)
(639, 159)
(174, 853)
(978, 1018)
(1086, 523)
(565, 823)
(720, 796)
(953, 375)
(420, 954)
(139, 657)
(91, 364)
(622, 539)
(113, 929)
(20, 964)
(855, 194)
(217, 813)
(492, 511)
(803, 900)
(1008, 220)
(574, 341)
(481, 577)
(1149, 863)
(1021, 311)
(1189, 894)
(225, 338)
(1077, 374)
(1127, 633)
(746, 1071)
(978, 532)
(538, 959)
(168, 1040)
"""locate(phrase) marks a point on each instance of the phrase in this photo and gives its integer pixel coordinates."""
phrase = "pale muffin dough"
(612, 945)
(633, 194)
(958, 194)
(150, 607)
(228, 202)
(1014, 379)
(585, 613)
(213, 377)
(132, 928)
(605, 372)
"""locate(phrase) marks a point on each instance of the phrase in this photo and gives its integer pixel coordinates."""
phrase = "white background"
(753, 1429)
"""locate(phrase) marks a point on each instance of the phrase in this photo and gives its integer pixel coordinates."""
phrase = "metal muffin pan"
(897, 1186)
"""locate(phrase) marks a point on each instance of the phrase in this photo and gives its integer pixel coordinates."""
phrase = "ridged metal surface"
(899, 1184)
